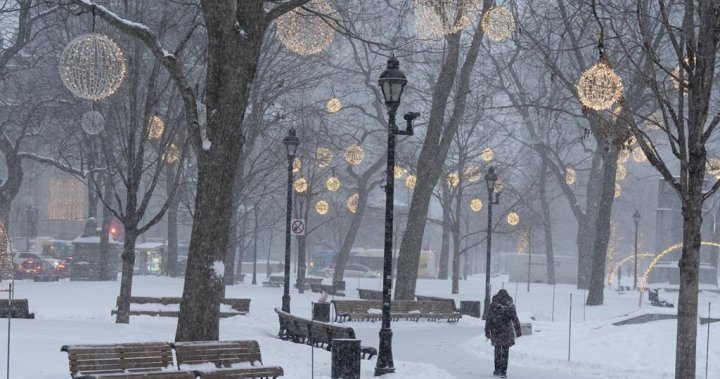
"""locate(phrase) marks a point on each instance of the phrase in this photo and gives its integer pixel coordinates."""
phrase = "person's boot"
(503, 375)
(496, 373)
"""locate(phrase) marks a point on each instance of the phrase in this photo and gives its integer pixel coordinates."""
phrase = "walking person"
(501, 327)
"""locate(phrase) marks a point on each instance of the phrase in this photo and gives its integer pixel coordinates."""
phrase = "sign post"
(297, 227)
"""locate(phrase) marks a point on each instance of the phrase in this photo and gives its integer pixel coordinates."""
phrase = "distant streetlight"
(392, 82)
(491, 180)
(291, 142)
(636, 219)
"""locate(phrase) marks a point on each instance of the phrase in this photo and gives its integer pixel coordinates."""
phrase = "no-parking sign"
(297, 227)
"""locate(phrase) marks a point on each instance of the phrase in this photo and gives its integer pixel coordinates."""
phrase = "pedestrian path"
(445, 347)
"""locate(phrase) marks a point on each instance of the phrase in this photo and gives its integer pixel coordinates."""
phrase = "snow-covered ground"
(79, 312)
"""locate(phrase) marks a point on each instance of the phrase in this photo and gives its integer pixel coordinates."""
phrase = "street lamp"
(291, 143)
(392, 82)
(491, 180)
(636, 219)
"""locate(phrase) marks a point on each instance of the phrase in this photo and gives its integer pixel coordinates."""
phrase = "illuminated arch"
(643, 281)
(621, 262)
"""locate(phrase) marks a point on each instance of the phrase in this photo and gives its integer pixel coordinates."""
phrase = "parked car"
(355, 271)
(33, 267)
(19, 258)
(64, 268)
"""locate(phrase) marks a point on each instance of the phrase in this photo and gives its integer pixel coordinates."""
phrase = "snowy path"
(447, 348)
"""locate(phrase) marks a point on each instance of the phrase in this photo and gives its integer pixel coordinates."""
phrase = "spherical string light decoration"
(304, 32)
(300, 185)
(655, 121)
(92, 66)
(623, 155)
(171, 154)
(487, 154)
(399, 172)
(712, 166)
(473, 174)
(322, 207)
(332, 184)
(513, 218)
(599, 87)
(410, 181)
(680, 77)
(621, 172)
(333, 105)
(352, 202)
(156, 127)
(617, 111)
(354, 155)
(453, 179)
(639, 155)
(92, 122)
(618, 190)
(631, 141)
(443, 17)
(570, 175)
(297, 165)
(476, 205)
(498, 24)
(323, 156)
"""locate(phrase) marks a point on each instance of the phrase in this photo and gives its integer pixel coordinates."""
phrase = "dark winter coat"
(501, 323)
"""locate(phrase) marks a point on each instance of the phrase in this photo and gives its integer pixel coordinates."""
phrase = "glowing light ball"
(333, 105)
(410, 181)
(712, 166)
(352, 202)
(487, 154)
(476, 205)
(399, 172)
(513, 218)
(443, 17)
(156, 127)
(499, 185)
(599, 87)
(570, 175)
(92, 122)
(680, 77)
(171, 154)
(297, 165)
(621, 172)
(498, 24)
(631, 141)
(92, 66)
(300, 185)
(639, 155)
(618, 190)
(473, 174)
(323, 156)
(453, 179)
(623, 155)
(354, 155)
(322, 207)
(332, 184)
(306, 33)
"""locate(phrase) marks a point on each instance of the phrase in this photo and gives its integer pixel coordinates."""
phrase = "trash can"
(321, 312)
(470, 308)
(345, 359)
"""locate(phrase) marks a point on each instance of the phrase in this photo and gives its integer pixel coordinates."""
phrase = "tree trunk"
(456, 235)
(547, 224)
(302, 266)
(445, 244)
(172, 236)
(349, 239)
(231, 253)
(108, 263)
(128, 263)
(602, 228)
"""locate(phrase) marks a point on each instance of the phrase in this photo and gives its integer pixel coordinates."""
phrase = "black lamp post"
(491, 179)
(291, 143)
(392, 82)
(636, 219)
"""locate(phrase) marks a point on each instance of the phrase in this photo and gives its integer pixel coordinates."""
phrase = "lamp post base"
(385, 363)
(286, 303)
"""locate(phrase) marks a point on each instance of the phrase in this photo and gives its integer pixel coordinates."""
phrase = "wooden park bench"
(371, 310)
(225, 354)
(451, 302)
(239, 307)
(20, 309)
(274, 281)
(316, 333)
(327, 288)
(46, 278)
(131, 360)
(366, 294)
